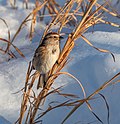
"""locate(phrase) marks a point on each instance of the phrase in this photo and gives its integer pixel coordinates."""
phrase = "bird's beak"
(61, 37)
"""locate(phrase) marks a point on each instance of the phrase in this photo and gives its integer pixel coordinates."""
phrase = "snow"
(88, 65)
(3, 120)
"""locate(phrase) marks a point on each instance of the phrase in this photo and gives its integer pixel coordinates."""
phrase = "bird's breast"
(51, 57)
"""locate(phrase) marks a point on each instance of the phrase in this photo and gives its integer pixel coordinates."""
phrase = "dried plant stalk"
(32, 28)
(27, 19)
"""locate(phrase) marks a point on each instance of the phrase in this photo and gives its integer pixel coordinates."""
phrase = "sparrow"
(45, 56)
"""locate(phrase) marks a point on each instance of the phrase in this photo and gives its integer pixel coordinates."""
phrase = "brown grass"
(10, 40)
(89, 17)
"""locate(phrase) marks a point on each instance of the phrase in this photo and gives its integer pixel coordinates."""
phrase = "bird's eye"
(55, 37)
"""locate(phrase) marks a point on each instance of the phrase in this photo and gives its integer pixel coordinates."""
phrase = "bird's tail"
(42, 80)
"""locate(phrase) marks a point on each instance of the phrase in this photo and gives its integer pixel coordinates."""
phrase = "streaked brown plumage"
(45, 56)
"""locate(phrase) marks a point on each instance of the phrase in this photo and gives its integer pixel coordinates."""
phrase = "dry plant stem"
(64, 20)
(29, 111)
(40, 98)
(27, 76)
(81, 102)
(32, 28)
(54, 15)
(13, 3)
(66, 73)
(9, 41)
(110, 23)
(25, 20)
(51, 7)
(27, 93)
(106, 10)
(8, 51)
(101, 50)
(104, 86)
(25, 100)
(8, 46)
(37, 103)
(84, 18)
(69, 44)
(58, 16)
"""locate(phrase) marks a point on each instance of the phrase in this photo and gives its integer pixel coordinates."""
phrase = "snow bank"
(4, 121)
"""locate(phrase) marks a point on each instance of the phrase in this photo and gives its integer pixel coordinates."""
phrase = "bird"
(45, 56)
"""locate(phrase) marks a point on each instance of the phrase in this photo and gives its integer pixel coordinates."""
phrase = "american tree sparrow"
(46, 56)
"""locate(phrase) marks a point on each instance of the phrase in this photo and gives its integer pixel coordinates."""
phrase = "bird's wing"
(39, 56)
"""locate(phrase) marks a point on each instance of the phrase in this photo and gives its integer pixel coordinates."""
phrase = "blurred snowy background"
(91, 67)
